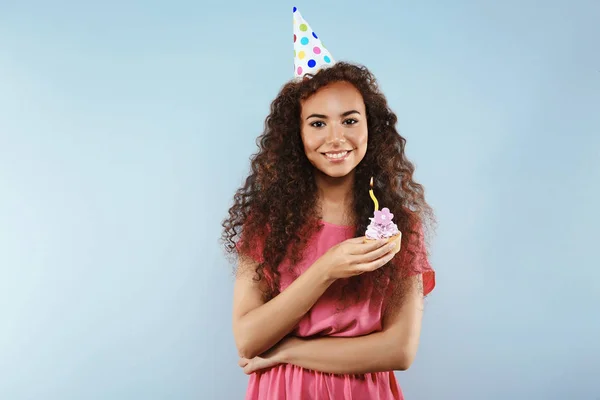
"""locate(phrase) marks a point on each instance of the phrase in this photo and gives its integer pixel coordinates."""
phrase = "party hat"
(309, 53)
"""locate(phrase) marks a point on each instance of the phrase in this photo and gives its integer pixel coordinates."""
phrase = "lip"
(337, 160)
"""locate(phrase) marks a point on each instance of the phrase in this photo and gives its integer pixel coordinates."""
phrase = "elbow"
(403, 358)
(248, 354)
(247, 345)
(246, 349)
(403, 365)
(244, 341)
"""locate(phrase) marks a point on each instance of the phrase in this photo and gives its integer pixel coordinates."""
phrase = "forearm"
(394, 348)
(266, 325)
(358, 355)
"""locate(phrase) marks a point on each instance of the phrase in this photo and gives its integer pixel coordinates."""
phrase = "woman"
(318, 313)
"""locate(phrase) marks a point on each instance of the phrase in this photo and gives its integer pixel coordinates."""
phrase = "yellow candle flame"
(373, 196)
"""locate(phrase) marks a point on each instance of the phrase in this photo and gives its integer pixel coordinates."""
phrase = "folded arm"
(257, 326)
(394, 348)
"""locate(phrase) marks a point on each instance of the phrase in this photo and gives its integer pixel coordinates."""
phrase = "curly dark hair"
(277, 205)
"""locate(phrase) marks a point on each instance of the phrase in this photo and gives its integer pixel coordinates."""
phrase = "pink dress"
(290, 382)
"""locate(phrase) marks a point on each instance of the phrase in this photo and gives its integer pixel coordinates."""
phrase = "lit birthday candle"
(382, 226)
(373, 196)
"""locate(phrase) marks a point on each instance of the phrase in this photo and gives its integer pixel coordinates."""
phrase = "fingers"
(377, 253)
(250, 367)
(356, 240)
(378, 263)
(360, 247)
(246, 365)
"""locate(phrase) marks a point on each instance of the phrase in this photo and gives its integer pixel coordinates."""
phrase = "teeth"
(336, 155)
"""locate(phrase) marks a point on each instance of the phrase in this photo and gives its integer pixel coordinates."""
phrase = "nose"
(336, 135)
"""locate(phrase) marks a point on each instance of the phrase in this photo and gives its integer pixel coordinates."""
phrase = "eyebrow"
(325, 116)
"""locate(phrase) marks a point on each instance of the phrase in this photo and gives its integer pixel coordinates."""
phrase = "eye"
(350, 121)
(317, 124)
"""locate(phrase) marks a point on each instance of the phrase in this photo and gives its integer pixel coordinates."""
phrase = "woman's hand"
(354, 257)
(269, 359)
(257, 363)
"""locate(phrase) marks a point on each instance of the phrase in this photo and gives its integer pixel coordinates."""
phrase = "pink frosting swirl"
(382, 226)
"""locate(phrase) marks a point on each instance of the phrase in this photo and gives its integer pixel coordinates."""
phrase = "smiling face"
(334, 129)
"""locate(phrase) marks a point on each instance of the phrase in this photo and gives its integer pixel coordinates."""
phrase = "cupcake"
(382, 226)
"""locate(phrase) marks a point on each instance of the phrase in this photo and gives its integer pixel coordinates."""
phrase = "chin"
(337, 171)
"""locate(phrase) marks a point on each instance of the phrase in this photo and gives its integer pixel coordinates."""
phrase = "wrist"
(323, 273)
(285, 352)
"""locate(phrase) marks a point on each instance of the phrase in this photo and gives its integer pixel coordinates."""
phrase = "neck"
(335, 196)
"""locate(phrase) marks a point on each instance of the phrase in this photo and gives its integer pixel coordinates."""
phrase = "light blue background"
(126, 127)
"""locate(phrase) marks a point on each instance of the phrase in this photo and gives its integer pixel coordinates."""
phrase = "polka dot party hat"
(309, 53)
